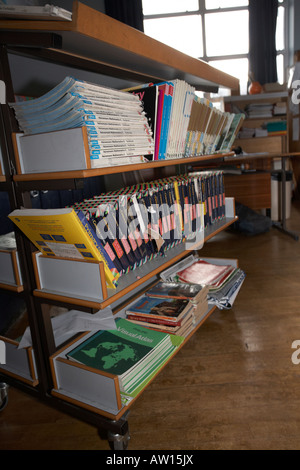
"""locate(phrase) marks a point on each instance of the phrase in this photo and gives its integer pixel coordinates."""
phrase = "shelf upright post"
(8, 125)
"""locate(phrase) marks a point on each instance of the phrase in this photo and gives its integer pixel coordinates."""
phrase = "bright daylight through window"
(216, 31)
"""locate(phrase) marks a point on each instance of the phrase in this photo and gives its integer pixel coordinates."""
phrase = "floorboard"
(233, 386)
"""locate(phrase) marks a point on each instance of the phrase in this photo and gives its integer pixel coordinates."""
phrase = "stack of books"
(259, 110)
(117, 126)
(280, 108)
(170, 307)
(277, 128)
(133, 353)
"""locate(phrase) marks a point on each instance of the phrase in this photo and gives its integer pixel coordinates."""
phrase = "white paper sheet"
(69, 323)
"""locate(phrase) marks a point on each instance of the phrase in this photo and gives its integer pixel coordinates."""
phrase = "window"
(216, 31)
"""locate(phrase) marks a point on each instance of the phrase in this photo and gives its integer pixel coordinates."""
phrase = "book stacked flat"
(117, 126)
(223, 281)
(170, 307)
(259, 110)
(133, 353)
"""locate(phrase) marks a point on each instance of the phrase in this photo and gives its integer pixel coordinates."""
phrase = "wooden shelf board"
(125, 408)
(259, 97)
(99, 37)
(128, 282)
(116, 169)
(137, 277)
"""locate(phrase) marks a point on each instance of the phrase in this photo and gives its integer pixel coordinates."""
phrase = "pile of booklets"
(171, 307)
(223, 281)
(133, 353)
(116, 124)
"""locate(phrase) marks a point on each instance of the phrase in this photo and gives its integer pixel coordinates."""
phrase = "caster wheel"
(3, 395)
(118, 441)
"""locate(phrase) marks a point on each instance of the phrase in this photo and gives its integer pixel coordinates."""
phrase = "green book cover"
(118, 351)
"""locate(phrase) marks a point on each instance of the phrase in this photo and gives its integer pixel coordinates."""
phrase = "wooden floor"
(233, 386)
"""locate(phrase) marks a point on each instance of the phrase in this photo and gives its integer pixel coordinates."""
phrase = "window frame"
(202, 11)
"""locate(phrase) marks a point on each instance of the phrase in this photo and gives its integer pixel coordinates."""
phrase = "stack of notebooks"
(116, 124)
(133, 353)
(223, 281)
(170, 307)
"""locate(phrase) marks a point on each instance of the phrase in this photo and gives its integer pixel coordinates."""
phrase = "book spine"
(111, 272)
(156, 321)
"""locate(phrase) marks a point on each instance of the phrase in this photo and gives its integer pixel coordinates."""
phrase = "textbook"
(131, 352)
(64, 233)
(153, 307)
(178, 290)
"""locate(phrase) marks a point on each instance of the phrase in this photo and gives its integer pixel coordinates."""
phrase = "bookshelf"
(94, 42)
(263, 110)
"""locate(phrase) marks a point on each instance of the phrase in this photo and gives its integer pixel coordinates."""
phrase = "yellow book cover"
(61, 232)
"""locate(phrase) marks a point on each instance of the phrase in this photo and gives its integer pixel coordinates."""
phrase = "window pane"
(233, 36)
(280, 29)
(237, 68)
(166, 30)
(280, 69)
(157, 7)
(211, 4)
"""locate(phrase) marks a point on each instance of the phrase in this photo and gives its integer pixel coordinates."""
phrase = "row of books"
(129, 227)
(210, 129)
(138, 223)
(149, 122)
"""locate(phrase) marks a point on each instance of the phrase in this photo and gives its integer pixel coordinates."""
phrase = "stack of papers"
(259, 110)
(132, 352)
(29, 12)
(224, 282)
